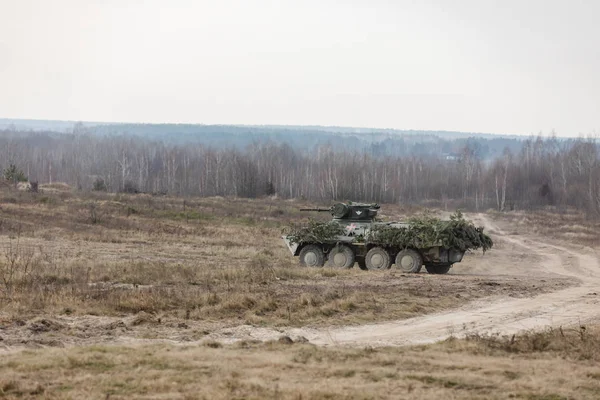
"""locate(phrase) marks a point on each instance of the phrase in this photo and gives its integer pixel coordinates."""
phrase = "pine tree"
(14, 174)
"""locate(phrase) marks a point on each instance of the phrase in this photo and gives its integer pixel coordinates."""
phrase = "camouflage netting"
(427, 231)
(421, 232)
(314, 232)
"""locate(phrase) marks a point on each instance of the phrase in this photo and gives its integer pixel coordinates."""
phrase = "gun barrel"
(315, 209)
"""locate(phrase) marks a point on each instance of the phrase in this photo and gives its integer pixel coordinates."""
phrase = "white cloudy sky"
(470, 65)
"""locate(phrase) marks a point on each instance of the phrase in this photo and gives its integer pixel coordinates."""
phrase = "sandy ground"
(544, 284)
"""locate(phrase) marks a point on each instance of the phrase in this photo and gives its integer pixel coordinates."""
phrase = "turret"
(356, 212)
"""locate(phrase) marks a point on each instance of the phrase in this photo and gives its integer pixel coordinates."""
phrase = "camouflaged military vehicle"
(354, 236)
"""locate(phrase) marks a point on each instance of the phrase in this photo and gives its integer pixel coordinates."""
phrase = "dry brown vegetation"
(550, 365)
(196, 259)
(567, 226)
(87, 279)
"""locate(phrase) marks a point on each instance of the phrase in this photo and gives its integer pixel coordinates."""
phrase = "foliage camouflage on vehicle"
(314, 232)
(420, 232)
(427, 231)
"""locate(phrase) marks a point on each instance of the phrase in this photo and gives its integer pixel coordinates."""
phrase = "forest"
(532, 173)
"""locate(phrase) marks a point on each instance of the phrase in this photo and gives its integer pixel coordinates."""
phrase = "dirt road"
(575, 305)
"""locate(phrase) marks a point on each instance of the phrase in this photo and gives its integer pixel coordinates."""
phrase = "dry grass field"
(120, 296)
(550, 365)
(568, 226)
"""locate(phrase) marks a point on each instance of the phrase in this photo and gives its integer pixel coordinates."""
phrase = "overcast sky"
(481, 66)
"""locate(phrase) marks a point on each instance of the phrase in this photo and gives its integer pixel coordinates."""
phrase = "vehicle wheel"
(409, 261)
(341, 257)
(312, 256)
(361, 263)
(378, 258)
(438, 268)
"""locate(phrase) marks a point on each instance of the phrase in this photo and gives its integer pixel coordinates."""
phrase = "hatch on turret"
(354, 211)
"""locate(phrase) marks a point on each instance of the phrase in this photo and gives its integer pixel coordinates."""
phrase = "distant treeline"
(539, 172)
(377, 142)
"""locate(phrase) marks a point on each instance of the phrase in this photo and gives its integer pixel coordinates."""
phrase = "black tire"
(312, 256)
(361, 263)
(438, 269)
(341, 257)
(409, 261)
(378, 258)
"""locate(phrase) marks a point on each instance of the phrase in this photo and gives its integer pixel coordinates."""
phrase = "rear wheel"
(409, 261)
(438, 269)
(341, 257)
(312, 256)
(378, 258)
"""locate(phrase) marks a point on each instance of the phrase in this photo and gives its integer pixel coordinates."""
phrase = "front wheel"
(438, 269)
(378, 258)
(312, 256)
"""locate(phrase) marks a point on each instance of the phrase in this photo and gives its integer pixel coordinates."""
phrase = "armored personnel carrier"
(354, 236)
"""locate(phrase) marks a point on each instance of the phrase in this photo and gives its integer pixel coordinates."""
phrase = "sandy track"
(572, 306)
